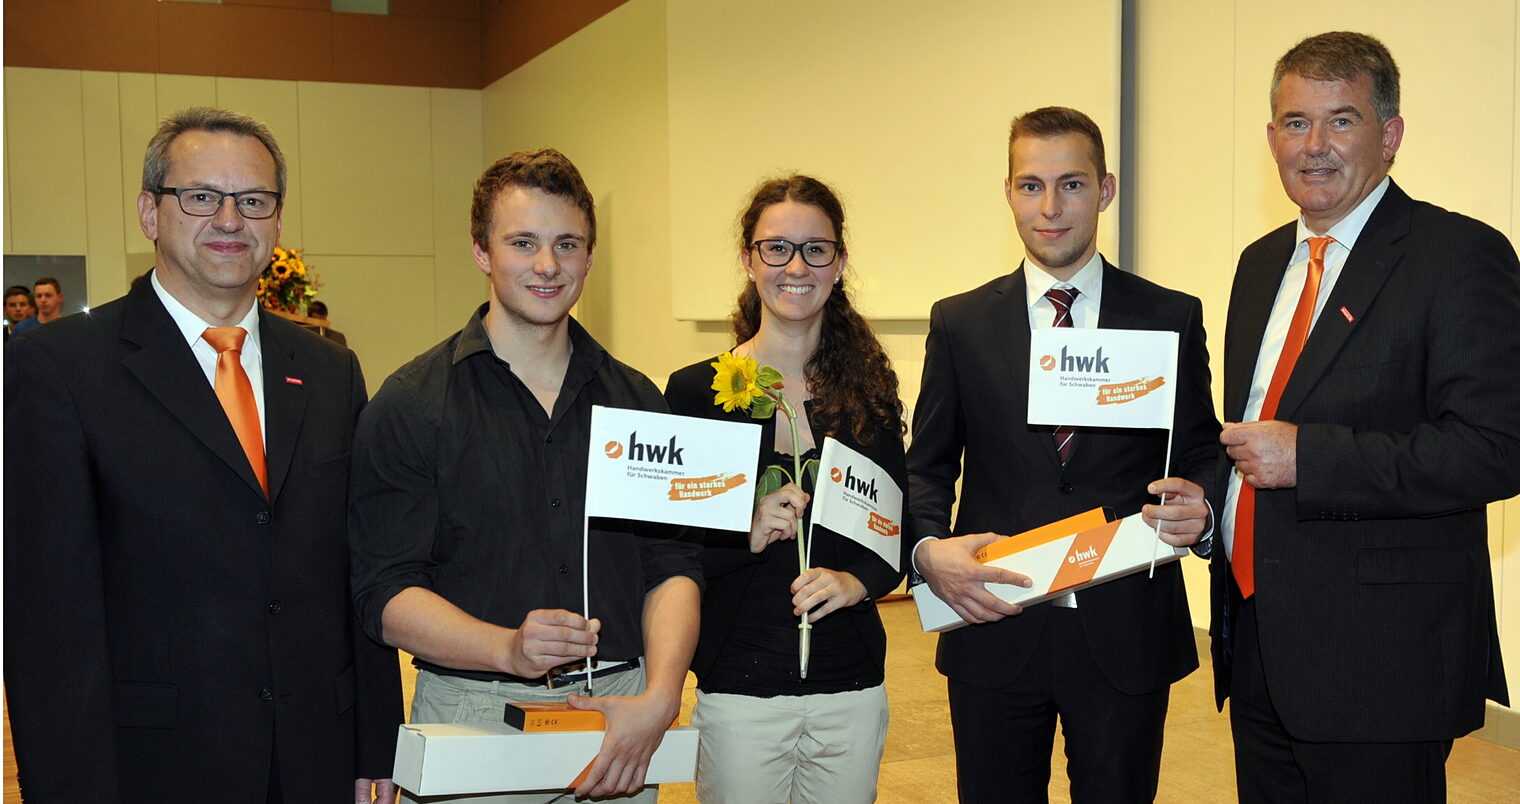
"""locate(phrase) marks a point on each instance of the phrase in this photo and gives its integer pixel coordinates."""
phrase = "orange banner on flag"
(882, 525)
(700, 488)
(1119, 393)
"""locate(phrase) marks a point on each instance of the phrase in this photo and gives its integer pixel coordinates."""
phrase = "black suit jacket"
(166, 626)
(727, 564)
(971, 412)
(1373, 590)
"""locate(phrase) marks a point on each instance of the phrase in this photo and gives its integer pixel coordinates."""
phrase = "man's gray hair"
(205, 118)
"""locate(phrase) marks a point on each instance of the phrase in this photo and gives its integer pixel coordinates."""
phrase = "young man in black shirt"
(468, 495)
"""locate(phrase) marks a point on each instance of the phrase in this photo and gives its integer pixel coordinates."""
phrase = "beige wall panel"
(902, 106)
(458, 160)
(44, 142)
(179, 92)
(106, 268)
(367, 185)
(599, 96)
(274, 103)
(373, 300)
(139, 119)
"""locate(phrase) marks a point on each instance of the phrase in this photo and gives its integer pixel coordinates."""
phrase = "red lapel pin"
(1347, 313)
(297, 380)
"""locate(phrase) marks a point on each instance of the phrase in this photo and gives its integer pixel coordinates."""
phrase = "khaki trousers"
(799, 748)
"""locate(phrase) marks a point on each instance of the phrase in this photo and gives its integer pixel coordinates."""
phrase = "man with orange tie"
(1370, 399)
(178, 624)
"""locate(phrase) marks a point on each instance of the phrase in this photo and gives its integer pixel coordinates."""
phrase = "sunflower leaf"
(767, 377)
(763, 407)
(774, 477)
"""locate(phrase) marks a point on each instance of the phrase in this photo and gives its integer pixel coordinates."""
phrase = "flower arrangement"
(741, 383)
(287, 285)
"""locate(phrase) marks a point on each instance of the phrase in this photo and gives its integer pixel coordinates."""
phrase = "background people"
(1370, 393)
(177, 618)
(18, 308)
(768, 735)
(318, 310)
(1103, 660)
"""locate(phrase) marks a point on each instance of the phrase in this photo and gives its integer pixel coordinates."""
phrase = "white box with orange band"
(1066, 556)
(437, 761)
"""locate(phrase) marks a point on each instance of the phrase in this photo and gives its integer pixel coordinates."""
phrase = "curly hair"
(854, 387)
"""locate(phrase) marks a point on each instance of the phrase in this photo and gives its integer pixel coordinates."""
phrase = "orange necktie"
(236, 395)
(1244, 561)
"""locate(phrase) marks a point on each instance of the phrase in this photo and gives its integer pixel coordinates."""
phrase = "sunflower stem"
(805, 632)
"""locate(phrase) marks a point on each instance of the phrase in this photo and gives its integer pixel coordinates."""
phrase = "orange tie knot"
(223, 339)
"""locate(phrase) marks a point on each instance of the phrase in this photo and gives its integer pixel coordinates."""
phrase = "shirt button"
(548, 439)
(1067, 488)
(262, 518)
(274, 607)
(564, 568)
(554, 503)
(266, 694)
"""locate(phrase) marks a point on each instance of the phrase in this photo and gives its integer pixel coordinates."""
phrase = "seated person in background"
(468, 496)
(768, 734)
(318, 310)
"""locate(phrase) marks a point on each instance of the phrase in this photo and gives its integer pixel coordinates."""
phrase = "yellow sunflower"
(280, 269)
(736, 382)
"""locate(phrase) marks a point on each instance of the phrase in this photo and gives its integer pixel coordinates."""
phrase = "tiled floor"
(919, 766)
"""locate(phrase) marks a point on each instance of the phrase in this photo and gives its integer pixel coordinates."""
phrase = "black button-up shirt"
(462, 485)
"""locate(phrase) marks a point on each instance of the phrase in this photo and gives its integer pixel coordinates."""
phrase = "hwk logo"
(1083, 555)
(1091, 364)
(651, 453)
(856, 484)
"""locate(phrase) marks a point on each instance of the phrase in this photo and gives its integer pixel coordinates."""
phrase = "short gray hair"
(205, 118)
(1342, 56)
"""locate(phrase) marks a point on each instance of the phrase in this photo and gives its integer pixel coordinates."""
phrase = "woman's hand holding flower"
(776, 516)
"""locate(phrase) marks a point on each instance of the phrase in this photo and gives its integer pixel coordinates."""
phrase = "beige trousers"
(806, 749)
(447, 699)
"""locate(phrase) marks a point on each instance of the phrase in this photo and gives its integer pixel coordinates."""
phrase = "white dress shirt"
(1345, 232)
(194, 329)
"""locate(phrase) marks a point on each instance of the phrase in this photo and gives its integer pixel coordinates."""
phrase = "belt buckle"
(563, 669)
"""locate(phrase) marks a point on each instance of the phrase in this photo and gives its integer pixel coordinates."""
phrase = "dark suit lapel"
(284, 402)
(166, 367)
(1010, 325)
(1251, 299)
(1363, 275)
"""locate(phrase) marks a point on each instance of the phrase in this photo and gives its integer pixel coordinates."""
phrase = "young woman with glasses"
(768, 733)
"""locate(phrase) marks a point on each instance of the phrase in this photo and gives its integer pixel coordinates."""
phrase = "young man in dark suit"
(1370, 390)
(178, 623)
(1102, 660)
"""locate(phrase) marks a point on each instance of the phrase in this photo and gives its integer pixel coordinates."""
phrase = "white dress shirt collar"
(193, 327)
(1347, 229)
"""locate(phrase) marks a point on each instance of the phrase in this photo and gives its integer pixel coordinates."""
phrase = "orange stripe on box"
(1082, 560)
(1042, 535)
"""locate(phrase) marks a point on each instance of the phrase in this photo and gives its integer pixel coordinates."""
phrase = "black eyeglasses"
(203, 202)
(777, 252)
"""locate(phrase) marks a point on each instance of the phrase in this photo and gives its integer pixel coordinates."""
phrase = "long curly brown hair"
(854, 387)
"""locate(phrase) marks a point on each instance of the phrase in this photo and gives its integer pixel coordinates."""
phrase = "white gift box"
(444, 759)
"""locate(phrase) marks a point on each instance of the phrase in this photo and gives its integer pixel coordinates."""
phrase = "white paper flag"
(655, 467)
(1102, 377)
(856, 498)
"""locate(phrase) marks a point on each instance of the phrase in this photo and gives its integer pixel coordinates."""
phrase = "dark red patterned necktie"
(1063, 299)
